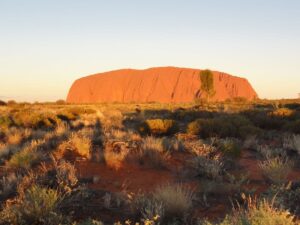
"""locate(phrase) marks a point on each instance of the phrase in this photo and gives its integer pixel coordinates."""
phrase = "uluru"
(160, 84)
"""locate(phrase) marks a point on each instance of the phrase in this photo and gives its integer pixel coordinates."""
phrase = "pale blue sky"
(47, 44)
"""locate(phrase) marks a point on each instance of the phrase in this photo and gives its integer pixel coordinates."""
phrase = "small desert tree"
(207, 83)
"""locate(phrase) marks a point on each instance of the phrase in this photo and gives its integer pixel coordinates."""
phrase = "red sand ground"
(138, 179)
(164, 84)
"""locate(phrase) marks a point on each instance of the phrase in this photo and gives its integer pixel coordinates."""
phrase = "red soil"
(134, 179)
(129, 177)
(165, 84)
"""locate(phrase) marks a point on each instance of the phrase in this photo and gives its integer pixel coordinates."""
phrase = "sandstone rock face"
(164, 84)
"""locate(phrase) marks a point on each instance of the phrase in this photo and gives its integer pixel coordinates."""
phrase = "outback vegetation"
(216, 163)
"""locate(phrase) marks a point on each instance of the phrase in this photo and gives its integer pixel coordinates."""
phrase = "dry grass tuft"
(152, 153)
(115, 154)
(78, 145)
(209, 168)
(175, 198)
(276, 169)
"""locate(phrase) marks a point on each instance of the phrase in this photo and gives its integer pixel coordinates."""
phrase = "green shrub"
(196, 127)
(159, 127)
(261, 119)
(224, 126)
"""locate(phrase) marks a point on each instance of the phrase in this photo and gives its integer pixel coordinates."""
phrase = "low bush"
(262, 120)
(81, 110)
(67, 116)
(29, 119)
(225, 126)
(60, 102)
(282, 113)
(159, 127)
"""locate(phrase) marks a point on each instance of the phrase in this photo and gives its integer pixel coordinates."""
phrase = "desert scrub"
(37, 206)
(67, 116)
(146, 207)
(230, 147)
(176, 200)
(276, 169)
(30, 119)
(65, 175)
(258, 213)
(8, 184)
(81, 110)
(268, 152)
(224, 126)
(159, 127)
(152, 153)
(209, 168)
(78, 145)
(26, 157)
(82, 145)
(6, 122)
(173, 144)
(14, 136)
(282, 113)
